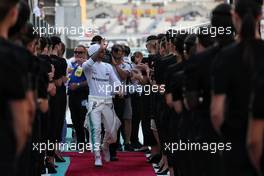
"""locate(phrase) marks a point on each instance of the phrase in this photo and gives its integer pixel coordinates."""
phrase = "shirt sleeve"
(14, 83)
(87, 65)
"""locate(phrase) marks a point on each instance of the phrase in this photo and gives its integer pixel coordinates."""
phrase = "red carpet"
(129, 164)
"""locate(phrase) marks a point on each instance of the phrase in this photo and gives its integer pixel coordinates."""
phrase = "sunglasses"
(78, 52)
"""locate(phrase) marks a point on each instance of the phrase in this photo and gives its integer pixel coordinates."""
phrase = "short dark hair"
(97, 39)
(126, 50)
(55, 41)
(116, 48)
(5, 6)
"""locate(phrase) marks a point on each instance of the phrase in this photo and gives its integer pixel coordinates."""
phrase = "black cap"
(151, 37)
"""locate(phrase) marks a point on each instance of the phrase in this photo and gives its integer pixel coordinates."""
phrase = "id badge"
(78, 72)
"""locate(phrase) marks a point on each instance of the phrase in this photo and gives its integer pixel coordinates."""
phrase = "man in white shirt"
(102, 82)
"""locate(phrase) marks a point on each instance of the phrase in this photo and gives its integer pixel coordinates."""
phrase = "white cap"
(93, 49)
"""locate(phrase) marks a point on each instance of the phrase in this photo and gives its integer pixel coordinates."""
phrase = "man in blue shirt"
(78, 92)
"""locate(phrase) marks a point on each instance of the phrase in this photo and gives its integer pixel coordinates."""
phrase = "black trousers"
(78, 113)
(56, 116)
(7, 148)
(136, 116)
(236, 161)
(119, 106)
(148, 112)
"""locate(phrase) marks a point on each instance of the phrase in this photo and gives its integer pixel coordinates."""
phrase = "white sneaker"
(106, 153)
(98, 161)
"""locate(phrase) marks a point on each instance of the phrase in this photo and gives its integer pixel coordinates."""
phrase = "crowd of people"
(197, 97)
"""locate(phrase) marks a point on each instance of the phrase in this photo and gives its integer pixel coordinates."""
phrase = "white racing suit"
(101, 76)
(101, 110)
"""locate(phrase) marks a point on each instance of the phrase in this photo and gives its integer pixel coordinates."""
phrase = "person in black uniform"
(57, 103)
(16, 33)
(174, 103)
(29, 39)
(147, 101)
(198, 79)
(256, 125)
(47, 67)
(234, 74)
(78, 92)
(13, 101)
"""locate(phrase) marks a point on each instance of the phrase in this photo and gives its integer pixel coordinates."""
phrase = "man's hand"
(73, 86)
(114, 61)
(43, 105)
(52, 89)
(136, 75)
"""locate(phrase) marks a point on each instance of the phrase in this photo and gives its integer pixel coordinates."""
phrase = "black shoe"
(59, 159)
(165, 172)
(51, 168)
(154, 159)
(160, 169)
(136, 145)
(43, 170)
(128, 148)
(119, 148)
(145, 150)
(113, 158)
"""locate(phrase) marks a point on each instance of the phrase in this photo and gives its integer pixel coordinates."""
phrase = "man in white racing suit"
(102, 82)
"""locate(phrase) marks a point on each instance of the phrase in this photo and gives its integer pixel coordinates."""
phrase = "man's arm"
(217, 111)
(124, 74)
(114, 80)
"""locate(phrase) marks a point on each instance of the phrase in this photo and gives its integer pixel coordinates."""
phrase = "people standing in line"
(78, 92)
(235, 73)
(198, 91)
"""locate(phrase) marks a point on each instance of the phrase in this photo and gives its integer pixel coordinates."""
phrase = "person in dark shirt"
(78, 92)
(150, 137)
(18, 70)
(29, 39)
(198, 87)
(234, 73)
(256, 125)
(57, 103)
